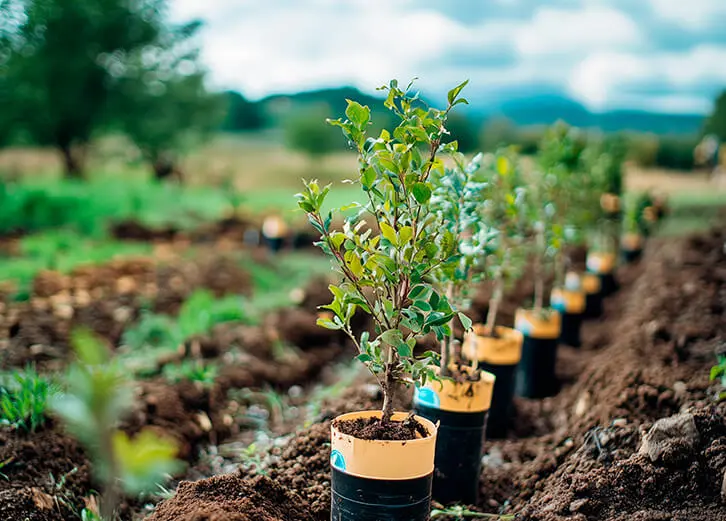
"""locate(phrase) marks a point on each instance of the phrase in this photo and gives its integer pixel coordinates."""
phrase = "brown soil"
(229, 498)
(106, 299)
(375, 429)
(578, 455)
(44, 476)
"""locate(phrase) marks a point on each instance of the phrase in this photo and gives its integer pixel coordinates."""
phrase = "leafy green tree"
(60, 60)
(307, 132)
(716, 122)
(386, 264)
(161, 102)
(464, 131)
(241, 114)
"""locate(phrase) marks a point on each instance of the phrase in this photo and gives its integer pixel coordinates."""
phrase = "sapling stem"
(447, 341)
(494, 305)
(539, 271)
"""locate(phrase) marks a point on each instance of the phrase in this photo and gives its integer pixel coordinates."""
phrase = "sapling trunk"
(494, 303)
(389, 383)
(539, 272)
(447, 342)
(110, 497)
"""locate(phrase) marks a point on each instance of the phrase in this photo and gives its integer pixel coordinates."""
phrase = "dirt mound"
(45, 476)
(578, 457)
(229, 498)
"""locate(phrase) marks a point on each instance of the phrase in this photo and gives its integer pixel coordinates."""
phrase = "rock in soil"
(670, 438)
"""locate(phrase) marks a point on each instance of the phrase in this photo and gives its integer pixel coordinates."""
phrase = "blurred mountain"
(526, 106)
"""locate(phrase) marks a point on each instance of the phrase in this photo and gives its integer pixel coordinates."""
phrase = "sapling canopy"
(458, 195)
(388, 251)
(503, 212)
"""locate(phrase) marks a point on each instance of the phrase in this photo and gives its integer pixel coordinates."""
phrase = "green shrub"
(24, 397)
(676, 152)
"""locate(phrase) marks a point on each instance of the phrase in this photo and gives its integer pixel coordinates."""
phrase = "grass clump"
(24, 398)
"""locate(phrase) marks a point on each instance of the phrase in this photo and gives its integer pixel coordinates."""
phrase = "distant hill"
(526, 106)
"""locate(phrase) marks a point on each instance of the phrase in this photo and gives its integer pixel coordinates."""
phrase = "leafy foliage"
(718, 374)
(308, 133)
(96, 396)
(716, 122)
(160, 99)
(504, 213)
(386, 264)
(457, 196)
(194, 371)
(24, 398)
(63, 58)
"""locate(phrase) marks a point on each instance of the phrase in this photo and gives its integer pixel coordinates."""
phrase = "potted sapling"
(382, 462)
(459, 400)
(571, 194)
(605, 165)
(631, 243)
(541, 324)
(492, 346)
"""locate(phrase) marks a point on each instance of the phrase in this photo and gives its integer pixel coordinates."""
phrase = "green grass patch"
(61, 250)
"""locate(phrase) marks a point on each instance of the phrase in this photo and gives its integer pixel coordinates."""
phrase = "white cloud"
(592, 49)
(694, 14)
(568, 32)
(599, 78)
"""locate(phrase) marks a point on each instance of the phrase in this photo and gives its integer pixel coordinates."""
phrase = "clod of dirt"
(374, 429)
(670, 438)
(229, 498)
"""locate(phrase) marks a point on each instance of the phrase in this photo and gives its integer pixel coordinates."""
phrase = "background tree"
(242, 114)
(60, 60)
(160, 100)
(307, 132)
(463, 131)
(716, 122)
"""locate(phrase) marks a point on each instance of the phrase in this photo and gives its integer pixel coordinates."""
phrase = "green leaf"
(465, 321)
(716, 371)
(367, 178)
(417, 291)
(404, 350)
(405, 234)
(421, 192)
(328, 324)
(392, 337)
(144, 460)
(358, 114)
(454, 93)
(389, 233)
(364, 357)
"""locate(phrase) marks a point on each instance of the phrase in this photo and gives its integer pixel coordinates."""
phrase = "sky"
(656, 55)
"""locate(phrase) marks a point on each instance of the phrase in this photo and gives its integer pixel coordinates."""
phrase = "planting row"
(409, 256)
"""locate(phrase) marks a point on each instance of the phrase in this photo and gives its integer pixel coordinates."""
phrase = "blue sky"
(660, 55)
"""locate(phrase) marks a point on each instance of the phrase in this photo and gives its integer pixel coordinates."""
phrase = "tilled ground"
(594, 452)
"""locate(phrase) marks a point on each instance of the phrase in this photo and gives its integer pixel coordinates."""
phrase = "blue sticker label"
(523, 326)
(426, 396)
(559, 304)
(337, 460)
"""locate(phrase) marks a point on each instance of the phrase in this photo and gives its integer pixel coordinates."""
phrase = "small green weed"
(193, 371)
(459, 513)
(24, 397)
(718, 373)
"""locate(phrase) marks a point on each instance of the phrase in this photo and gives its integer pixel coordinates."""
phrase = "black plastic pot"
(571, 325)
(275, 244)
(536, 371)
(500, 412)
(459, 446)
(631, 255)
(365, 499)
(608, 284)
(593, 305)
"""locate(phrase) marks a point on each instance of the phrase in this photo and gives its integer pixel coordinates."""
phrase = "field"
(219, 335)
